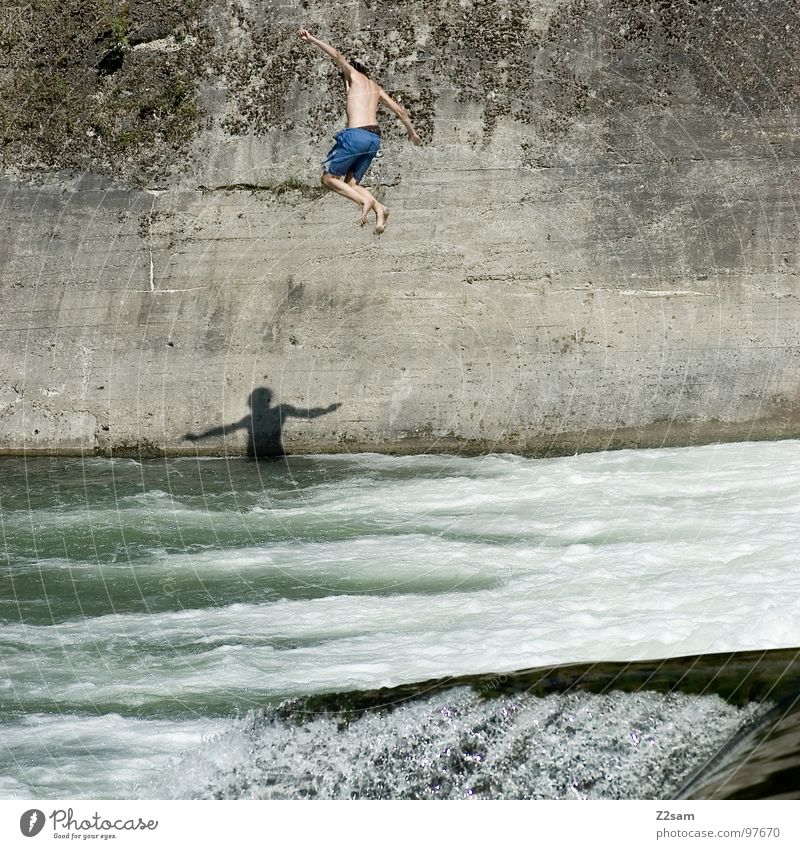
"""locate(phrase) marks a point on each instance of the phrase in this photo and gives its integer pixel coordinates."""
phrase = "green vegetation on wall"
(103, 85)
(117, 86)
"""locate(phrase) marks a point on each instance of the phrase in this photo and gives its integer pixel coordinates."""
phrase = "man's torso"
(363, 96)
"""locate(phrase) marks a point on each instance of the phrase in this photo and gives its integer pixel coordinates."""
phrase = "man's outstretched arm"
(337, 57)
(402, 114)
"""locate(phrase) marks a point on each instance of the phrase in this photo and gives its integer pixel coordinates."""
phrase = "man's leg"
(381, 211)
(366, 194)
(338, 185)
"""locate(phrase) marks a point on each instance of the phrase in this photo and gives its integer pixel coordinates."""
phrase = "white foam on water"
(154, 505)
(351, 642)
(96, 757)
(405, 569)
(698, 563)
(459, 745)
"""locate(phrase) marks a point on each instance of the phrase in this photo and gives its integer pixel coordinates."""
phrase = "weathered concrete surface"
(597, 247)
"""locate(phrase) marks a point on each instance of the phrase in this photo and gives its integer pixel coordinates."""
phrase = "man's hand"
(414, 137)
(337, 57)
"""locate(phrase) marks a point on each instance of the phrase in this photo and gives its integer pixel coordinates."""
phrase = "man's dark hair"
(360, 67)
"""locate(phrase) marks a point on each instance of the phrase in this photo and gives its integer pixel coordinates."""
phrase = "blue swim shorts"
(354, 151)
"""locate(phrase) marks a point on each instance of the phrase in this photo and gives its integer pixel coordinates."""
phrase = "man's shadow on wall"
(264, 424)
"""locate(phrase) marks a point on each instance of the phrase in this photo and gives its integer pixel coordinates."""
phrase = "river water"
(153, 614)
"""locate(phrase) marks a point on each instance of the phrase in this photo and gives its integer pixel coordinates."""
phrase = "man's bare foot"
(381, 214)
(365, 213)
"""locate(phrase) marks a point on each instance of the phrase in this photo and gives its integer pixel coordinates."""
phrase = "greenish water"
(144, 606)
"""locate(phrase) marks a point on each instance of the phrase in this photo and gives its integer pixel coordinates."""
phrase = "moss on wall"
(541, 64)
(101, 85)
(115, 86)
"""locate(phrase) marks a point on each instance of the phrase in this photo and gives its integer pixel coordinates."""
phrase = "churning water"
(154, 614)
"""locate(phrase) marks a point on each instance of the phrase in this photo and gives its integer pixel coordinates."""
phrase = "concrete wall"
(596, 247)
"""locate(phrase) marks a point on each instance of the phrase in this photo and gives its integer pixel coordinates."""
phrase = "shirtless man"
(355, 148)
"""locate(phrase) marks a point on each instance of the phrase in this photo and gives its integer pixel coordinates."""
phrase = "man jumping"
(347, 161)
